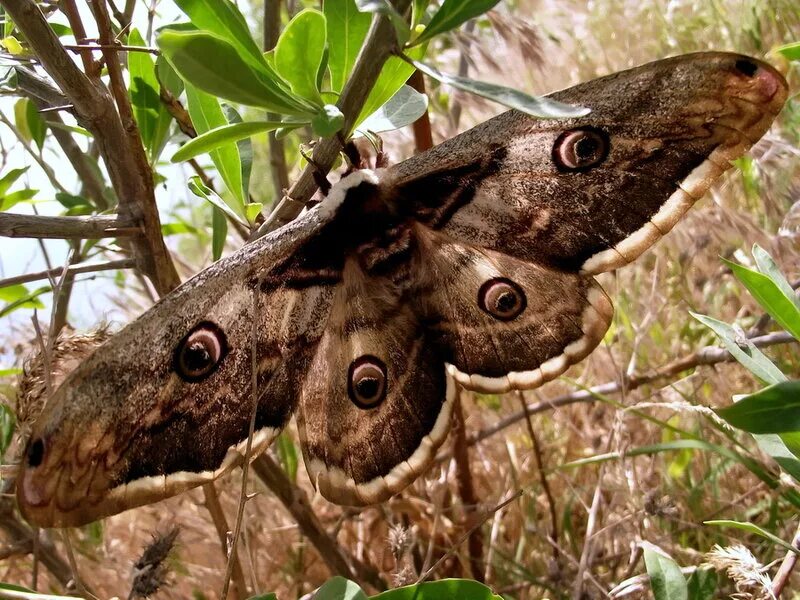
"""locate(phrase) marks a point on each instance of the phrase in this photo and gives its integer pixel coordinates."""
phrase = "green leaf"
(167, 77)
(150, 113)
(444, 589)
(223, 135)
(418, 9)
(347, 29)
(224, 19)
(252, 210)
(287, 455)
(199, 189)
(790, 51)
(784, 450)
(385, 8)
(29, 122)
(178, 228)
(453, 14)
(703, 585)
(402, 109)
(12, 45)
(22, 593)
(327, 121)
(13, 198)
(219, 232)
(394, 74)
(12, 293)
(775, 409)
(299, 53)
(9, 178)
(767, 266)
(750, 528)
(10, 372)
(339, 588)
(59, 29)
(743, 350)
(666, 579)
(542, 107)
(780, 307)
(264, 597)
(7, 421)
(213, 65)
(207, 115)
(245, 147)
(29, 300)
(70, 200)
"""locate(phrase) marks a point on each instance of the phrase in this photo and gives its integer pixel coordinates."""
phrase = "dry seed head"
(400, 539)
(150, 571)
(744, 569)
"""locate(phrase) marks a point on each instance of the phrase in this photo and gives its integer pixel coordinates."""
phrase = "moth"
(471, 264)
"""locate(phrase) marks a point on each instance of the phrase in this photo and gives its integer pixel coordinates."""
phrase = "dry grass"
(662, 497)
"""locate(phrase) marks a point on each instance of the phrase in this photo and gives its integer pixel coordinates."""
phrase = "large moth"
(470, 264)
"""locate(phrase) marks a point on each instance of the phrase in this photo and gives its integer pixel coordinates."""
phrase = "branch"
(38, 87)
(784, 573)
(214, 508)
(296, 502)
(124, 263)
(65, 228)
(381, 42)
(69, 8)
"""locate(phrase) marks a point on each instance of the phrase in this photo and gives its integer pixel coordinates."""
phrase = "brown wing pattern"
(561, 316)
(375, 404)
(477, 254)
(658, 136)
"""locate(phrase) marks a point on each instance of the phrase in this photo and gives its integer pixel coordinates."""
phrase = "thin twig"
(62, 292)
(73, 564)
(537, 453)
(120, 47)
(588, 545)
(118, 142)
(423, 136)
(214, 508)
(123, 263)
(460, 541)
(35, 560)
